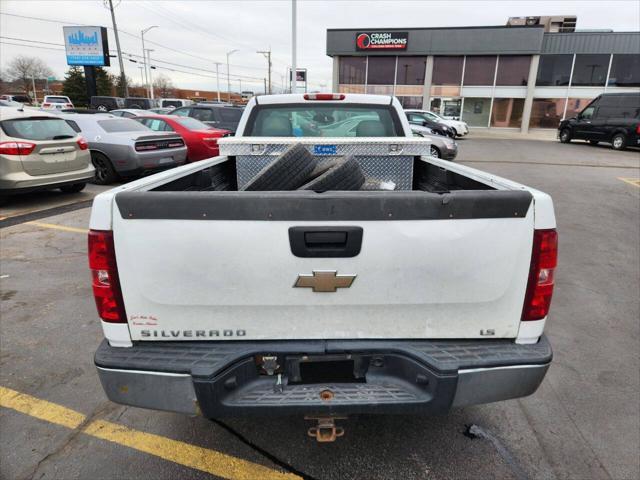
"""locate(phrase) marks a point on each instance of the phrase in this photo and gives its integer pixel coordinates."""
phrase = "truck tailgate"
(203, 266)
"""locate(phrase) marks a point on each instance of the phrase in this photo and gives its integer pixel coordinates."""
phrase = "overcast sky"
(201, 32)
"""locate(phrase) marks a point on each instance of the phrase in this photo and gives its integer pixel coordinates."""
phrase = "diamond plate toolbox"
(389, 160)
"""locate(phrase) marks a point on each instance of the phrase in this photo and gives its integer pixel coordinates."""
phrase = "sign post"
(301, 76)
(87, 47)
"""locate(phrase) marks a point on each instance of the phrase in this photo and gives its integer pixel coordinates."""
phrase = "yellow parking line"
(631, 181)
(58, 227)
(192, 456)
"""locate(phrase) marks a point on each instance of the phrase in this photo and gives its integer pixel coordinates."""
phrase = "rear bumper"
(218, 379)
(22, 182)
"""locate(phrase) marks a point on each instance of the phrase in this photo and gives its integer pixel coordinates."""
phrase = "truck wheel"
(619, 141)
(102, 108)
(565, 135)
(75, 188)
(287, 172)
(105, 173)
(342, 174)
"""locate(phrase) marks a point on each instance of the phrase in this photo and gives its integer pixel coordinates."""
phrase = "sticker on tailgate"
(325, 150)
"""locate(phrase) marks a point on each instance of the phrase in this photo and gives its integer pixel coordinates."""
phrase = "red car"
(201, 139)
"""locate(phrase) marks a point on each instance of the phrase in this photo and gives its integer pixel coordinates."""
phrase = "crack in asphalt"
(474, 431)
(275, 460)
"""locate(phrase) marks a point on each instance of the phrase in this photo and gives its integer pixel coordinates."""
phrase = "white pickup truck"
(221, 301)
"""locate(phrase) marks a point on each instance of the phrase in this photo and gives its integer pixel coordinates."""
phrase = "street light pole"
(146, 76)
(149, 50)
(294, 69)
(218, 79)
(267, 55)
(228, 78)
(123, 77)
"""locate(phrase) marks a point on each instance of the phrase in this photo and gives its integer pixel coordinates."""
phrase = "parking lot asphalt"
(583, 422)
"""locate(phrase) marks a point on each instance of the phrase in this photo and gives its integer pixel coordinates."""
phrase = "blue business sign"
(86, 46)
(325, 150)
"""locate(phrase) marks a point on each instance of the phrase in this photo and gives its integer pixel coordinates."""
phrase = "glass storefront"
(480, 70)
(507, 112)
(381, 71)
(546, 112)
(576, 105)
(352, 70)
(625, 71)
(476, 111)
(448, 108)
(554, 70)
(590, 70)
(447, 70)
(411, 102)
(411, 70)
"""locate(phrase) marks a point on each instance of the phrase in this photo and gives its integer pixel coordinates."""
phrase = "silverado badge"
(324, 281)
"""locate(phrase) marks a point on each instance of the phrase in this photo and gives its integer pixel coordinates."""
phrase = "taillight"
(82, 143)
(104, 274)
(324, 96)
(544, 259)
(46, 104)
(638, 129)
(144, 148)
(68, 105)
(17, 148)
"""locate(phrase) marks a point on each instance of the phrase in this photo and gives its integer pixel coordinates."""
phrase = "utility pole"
(123, 77)
(149, 50)
(294, 69)
(265, 86)
(218, 79)
(146, 77)
(141, 74)
(229, 53)
(33, 84)
(267, 55)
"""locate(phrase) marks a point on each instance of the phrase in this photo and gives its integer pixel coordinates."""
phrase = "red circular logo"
(363, 41)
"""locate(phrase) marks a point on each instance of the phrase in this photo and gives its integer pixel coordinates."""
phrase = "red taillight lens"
(82, 143)
(638, 129)
(544, 259)
(17, 148)
(324, 96)
(104, 274)
(46, 104)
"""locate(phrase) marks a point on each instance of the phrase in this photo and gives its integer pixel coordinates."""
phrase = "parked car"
(441, 146)
(129, 112)
(121, 147)
(56, 102)
(10, 103)
(104, 104)
(215, 115)
(174, 102)
(201, 139)
(39, 150)
(416, 118)
(227, 302)
(20, 98)
(459, 128)
(611, 118)
(161, 110)
(140, 102)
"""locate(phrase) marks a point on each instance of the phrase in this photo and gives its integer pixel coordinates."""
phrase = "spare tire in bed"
(340, 174)
(287, 172)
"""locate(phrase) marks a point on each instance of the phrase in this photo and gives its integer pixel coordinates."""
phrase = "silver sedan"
(441, 147)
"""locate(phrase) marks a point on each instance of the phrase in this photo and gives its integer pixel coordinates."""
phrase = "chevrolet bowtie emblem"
(324, 281)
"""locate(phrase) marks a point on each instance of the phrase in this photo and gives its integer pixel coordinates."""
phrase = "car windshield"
(38, 128)
(327, 120)
(121, 125)
(192, 124)
(58, 100)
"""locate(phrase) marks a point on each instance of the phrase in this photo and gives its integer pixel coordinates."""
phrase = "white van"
(175, 102)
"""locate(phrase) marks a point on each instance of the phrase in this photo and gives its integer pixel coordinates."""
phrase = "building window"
(476, 111)
(448, 108)
(625, 71)
(480, 70)
(411, 102)
(379, 89)
(513, 70)
(447, 70)
(546, 112)
(576, 105)
(381, 70)
(554, 70)
(507, 112)
(411, 70)
(590, 70)
(352, 70)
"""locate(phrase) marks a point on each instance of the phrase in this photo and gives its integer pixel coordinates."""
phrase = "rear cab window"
(58, 100)
(34, 128)
(324, 120)
(115, 125)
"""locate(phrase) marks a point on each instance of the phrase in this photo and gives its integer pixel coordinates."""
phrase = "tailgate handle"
(317, 242)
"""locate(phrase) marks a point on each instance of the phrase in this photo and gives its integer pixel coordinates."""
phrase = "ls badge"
(324, 281)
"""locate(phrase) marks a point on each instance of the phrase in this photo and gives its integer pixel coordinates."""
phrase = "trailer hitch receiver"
(326, 429)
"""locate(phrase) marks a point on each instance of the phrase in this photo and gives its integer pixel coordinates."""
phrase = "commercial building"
(503, 76)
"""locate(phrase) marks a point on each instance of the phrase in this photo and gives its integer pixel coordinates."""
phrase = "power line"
(31, 46)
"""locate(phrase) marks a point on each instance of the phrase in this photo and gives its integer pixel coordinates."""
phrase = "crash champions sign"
(381, 41)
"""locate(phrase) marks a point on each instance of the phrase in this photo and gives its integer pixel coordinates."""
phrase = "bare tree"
(22, 69)
(163, 86)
